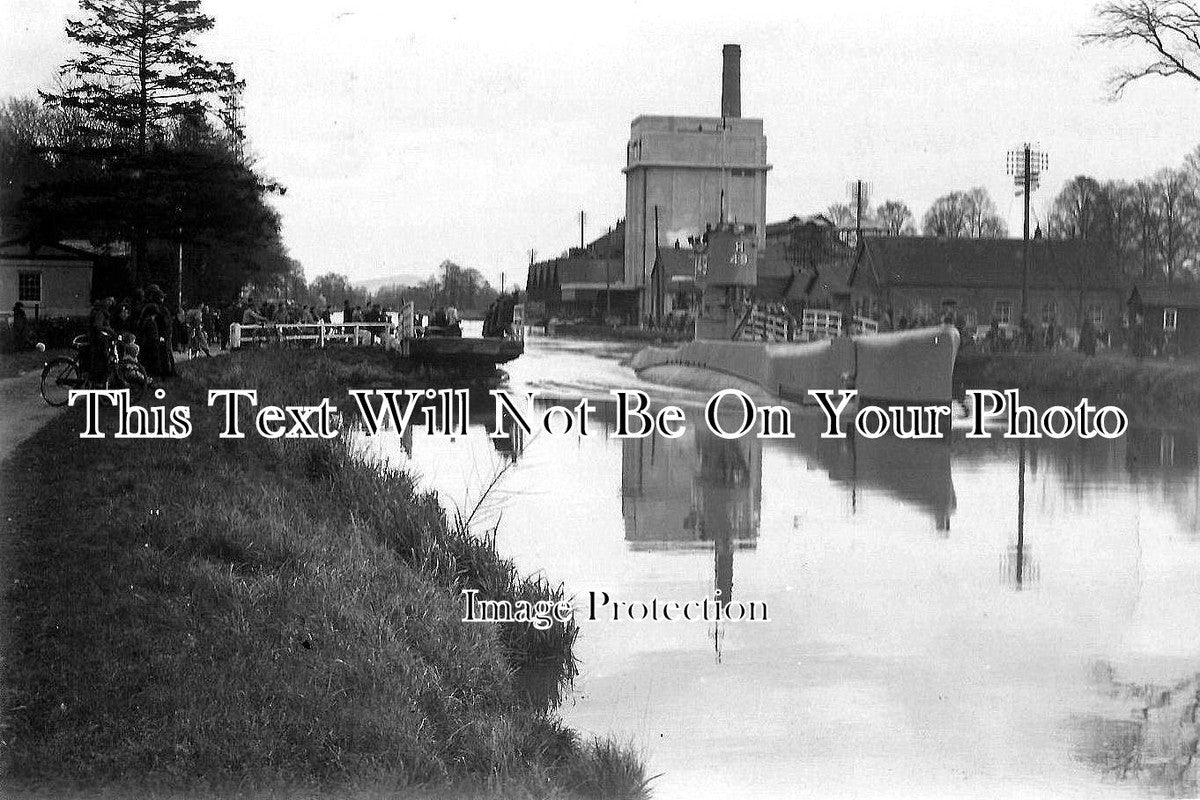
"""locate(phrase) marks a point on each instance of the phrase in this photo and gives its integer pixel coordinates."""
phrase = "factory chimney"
(731, 81)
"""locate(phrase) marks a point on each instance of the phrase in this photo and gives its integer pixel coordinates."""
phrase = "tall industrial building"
(686, 173)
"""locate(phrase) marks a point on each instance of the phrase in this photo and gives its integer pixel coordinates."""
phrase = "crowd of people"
(145, 315)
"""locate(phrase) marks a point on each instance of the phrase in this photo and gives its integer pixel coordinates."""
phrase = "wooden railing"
(760, 325)
(517, 329)
(317, 334)
(865, 326)
(819, 323)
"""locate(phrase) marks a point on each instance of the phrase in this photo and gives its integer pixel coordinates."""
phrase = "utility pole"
(1026, 166)
(580, 230)
(860, 196)
(179, 295)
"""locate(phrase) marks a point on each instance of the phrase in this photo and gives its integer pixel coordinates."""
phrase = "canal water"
(955, 618)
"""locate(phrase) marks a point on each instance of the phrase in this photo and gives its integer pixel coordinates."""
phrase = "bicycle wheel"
(131, 376)
(59, 377)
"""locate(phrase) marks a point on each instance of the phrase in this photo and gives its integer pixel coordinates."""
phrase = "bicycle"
(122, 371)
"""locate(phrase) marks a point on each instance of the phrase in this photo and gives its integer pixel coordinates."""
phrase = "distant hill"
(398, 279)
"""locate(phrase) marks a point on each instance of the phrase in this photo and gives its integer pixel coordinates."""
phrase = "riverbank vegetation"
(1135, 384)
(267, 617)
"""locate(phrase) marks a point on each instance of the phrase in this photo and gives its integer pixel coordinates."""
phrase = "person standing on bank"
(20, 326)
(100, 334)
(155, 325)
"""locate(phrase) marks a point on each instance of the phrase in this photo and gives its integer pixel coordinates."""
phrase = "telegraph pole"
(1026, 166)
(860, 196)
(1025, 248)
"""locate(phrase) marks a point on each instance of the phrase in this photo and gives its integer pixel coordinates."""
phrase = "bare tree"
(970, 214)
(841, 215)
(1145, 224)
(1079, 210)
(946, 217)
(1118, 227)
(1168, 29)
(1173, 198)
(895, 217)
(983, 220)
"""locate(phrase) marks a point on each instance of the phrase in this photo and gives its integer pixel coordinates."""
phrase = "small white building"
(52, 280)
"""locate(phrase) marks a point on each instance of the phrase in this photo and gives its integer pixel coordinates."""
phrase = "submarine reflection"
(701, 491)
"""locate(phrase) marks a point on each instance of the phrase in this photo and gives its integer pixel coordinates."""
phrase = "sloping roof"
(777, 275)
(24, 249)
(676, 263)
(590, 271)
(794, 222)
(834, 278)
(611, 244)
(780, 277)
(987, 263)
(1168, 296)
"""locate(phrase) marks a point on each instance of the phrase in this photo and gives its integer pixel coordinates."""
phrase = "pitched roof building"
(50, 280)
(922, 278)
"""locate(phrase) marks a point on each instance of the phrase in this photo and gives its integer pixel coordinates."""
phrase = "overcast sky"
(409, 135)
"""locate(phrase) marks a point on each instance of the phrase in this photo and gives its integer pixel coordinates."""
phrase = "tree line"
(958, 214)
(1150, 227)
(451, 285)
(138, 149)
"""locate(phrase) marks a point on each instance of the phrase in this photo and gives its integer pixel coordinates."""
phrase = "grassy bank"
(1150, 385)
(205, 617)
(13, 364)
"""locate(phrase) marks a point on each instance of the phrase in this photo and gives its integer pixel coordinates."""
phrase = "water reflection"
(1017, 566)
(897, 662)
(1156, 745)
(914, 472)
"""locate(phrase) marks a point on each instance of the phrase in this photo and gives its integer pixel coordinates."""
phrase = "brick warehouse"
(919, 279)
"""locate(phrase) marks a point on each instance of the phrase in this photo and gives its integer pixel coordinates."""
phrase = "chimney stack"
(731, 81)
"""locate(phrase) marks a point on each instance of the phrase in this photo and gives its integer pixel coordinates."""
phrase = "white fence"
(764, 326)
(865, 325)
(760, 325)
(819, 323)
(517, 329)
(317, 334)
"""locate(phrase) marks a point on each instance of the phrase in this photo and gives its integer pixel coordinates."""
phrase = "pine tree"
(137, 78)
(138, 67)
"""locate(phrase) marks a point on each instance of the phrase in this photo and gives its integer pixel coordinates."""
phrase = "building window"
(1170, 319)
(1002, 311)
(1049, 312)
(29, 287)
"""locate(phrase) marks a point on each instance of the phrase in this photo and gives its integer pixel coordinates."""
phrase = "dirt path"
(24, 411)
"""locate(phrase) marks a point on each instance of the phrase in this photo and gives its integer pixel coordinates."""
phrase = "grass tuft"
(261, 617)
(603, 768)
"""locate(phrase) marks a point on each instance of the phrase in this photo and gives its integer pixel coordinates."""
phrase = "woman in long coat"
(155, 334)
